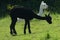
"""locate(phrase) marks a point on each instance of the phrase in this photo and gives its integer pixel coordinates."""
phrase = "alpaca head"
(48, 18)
(43, 5)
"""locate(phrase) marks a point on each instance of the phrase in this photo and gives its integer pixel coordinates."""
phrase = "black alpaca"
(26, 14)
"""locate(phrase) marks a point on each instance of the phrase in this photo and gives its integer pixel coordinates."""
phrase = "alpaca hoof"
(11, 33)
(29, 32)
(15, 33)
(24, 32)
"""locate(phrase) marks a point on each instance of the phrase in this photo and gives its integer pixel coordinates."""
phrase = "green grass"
(39, 29)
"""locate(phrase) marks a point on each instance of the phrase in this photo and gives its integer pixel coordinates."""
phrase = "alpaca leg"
(14, 31)
(29, 26)
(11, 29)
(25, 26)
(12, 26)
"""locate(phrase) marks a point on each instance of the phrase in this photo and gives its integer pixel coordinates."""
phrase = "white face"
(43, 5)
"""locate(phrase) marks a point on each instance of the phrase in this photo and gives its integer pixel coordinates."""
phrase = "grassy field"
(39, 29)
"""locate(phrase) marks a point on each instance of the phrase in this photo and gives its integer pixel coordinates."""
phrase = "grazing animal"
(27, 14)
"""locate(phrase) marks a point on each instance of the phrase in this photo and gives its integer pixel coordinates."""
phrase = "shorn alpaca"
(27, 14)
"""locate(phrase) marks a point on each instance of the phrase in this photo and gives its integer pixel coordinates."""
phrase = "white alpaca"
(42, 7)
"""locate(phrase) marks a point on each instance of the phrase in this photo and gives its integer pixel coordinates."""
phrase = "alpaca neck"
(40, 17)
(41, 11)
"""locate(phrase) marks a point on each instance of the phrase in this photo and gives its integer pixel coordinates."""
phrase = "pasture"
(39, 29)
